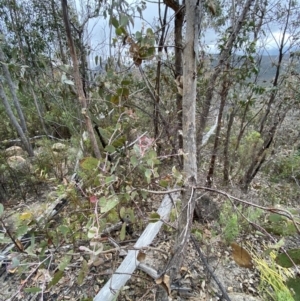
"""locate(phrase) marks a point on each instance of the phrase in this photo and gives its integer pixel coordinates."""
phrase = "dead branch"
(279, 211)
(130, 263)
(203, 259)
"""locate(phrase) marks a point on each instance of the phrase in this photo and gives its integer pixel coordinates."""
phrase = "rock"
(242, 297)
(15, 151)
(17, 162)
(58, 147)
(40, 151)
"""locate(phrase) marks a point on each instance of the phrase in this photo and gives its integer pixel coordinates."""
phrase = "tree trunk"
(163, 24)
(178, 22)
(226, 148)
(38, 111)
(224, 93)
(179, 18)
(13, 120)
(78, 82)
(12, 90)
(223, 58)
(60, 42)
(190, 55)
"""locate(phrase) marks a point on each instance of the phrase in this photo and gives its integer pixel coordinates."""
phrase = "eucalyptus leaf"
(109, 204)
(154, 217)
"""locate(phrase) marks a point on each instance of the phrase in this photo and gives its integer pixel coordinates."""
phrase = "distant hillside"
(267, 66)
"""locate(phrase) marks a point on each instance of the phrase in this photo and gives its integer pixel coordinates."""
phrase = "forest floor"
(81, 280)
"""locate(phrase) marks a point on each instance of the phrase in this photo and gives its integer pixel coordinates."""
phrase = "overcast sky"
(99, 32)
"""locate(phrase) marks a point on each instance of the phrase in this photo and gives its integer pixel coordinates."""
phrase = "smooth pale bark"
(190, 56)
(190, 53)
(130, 263)
(14, 122)
(12, 90)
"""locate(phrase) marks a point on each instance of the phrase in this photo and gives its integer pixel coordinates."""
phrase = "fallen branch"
(279, 211)
(130, 263)
(203, 259)
(41, 221)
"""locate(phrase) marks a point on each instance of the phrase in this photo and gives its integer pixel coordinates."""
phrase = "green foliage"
(284, 260)
(248, 147)
(280, 225)
(285, 168)
(293, 283)
(273, 279)
(229, 222)
(284, 296)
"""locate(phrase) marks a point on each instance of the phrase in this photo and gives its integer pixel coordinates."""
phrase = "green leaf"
(279, 244)
(274, 218)
(65, 262)
(123, 232)
(122, 212)
(83, 272)
(119, 31)
(164, 183)
(57, 276)
(152, 154)
(110, 149)
(32, 290)
(294, 285)
(125, 82)
(131, 21)
(140, 11)
(134, 161)
(177, 175)
(119, 142)
(114, 99)
(63, 229)
(114, 22)
(1, 209)
(22, 230)
(110, 179)
(89, 163)
(154, 217)
(284, 260)
(124, 20)
(148, 174)
(123, 91)
(109, 204)
(149, 32)
(92, 232)
(138, 35)
(15, 262)
(3, 239)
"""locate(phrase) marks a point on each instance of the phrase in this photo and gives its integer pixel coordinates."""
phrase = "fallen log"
(130, 263)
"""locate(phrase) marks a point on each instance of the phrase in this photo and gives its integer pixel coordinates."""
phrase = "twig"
(203, 259)
(162, 191)
(28, 277)
(270, 209)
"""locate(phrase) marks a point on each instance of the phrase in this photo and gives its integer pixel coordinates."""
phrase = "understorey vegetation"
(129, 141)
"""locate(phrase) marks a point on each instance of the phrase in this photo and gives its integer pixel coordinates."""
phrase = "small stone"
(17, 162)
(58, 147)
(15, 151)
